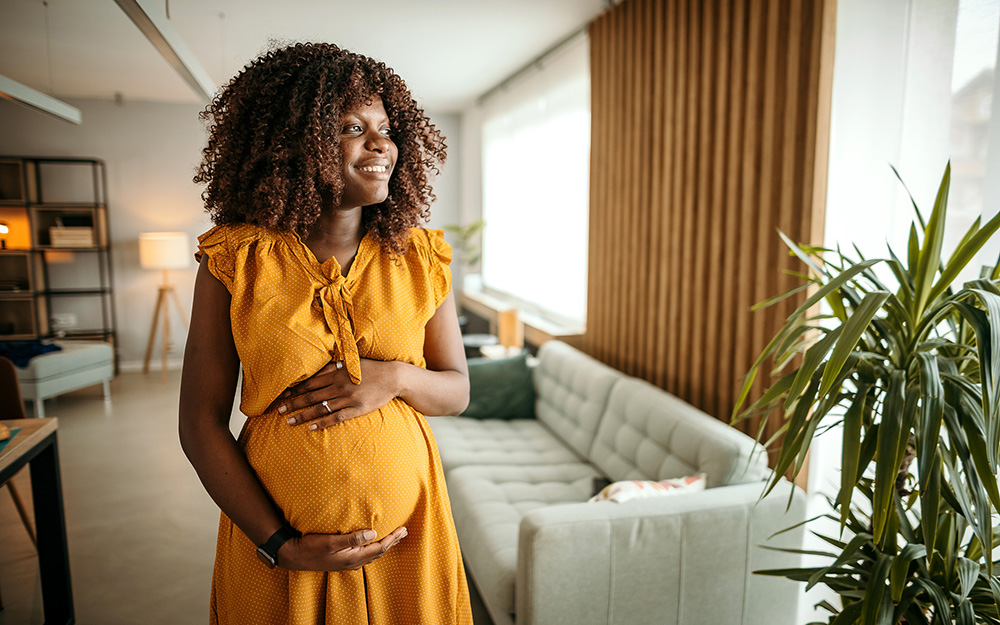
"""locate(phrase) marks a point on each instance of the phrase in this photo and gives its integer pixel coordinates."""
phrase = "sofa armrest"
(686, 559)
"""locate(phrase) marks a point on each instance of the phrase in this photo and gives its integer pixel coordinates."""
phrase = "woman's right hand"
(336, 552)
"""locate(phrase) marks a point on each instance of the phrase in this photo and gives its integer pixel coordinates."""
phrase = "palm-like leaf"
(912, 372)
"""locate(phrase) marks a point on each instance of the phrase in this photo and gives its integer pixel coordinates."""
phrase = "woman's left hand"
(330, 397)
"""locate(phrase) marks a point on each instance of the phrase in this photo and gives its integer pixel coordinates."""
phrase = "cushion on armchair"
(500, 389)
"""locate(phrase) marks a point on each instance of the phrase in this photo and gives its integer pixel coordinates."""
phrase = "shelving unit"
(55, 262)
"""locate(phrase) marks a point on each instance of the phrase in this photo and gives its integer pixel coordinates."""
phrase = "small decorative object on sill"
(4, 231)
(71, 236)
(510, 330)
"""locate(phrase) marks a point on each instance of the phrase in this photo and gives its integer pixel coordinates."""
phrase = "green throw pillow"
(500, 389)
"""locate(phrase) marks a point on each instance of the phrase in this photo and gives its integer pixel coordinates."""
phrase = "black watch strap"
(268, 552)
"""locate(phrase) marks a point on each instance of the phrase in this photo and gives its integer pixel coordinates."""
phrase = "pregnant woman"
(318, 283)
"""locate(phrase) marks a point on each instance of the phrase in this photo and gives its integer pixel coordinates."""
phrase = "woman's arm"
(208, 384)
(440, 389)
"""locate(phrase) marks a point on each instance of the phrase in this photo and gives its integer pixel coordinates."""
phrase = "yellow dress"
(290, 315)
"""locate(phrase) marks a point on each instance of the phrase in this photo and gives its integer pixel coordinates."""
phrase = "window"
(536, 159)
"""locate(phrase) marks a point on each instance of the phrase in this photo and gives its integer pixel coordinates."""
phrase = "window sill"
(537, 328)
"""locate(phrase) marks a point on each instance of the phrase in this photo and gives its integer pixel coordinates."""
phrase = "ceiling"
(448, 51)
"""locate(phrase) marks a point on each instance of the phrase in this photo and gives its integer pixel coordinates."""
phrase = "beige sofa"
(540, 554)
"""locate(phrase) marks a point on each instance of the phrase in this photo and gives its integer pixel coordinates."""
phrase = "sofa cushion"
(464, 441)
(648, 434)
(488, 502)
(500, 389)
(573, 391)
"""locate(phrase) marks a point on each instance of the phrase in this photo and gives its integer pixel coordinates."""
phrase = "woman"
(315, 280)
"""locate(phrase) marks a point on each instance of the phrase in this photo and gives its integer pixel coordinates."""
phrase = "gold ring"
(328, 409)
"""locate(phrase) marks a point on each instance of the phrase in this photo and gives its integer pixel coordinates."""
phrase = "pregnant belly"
(369, 472)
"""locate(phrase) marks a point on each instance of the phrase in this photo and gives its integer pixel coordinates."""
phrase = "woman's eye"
(352, 128)
(386, 132)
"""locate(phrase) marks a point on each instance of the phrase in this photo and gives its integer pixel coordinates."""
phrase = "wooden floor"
(141, 528)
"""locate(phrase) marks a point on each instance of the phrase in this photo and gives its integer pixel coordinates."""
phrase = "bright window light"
(536, 161)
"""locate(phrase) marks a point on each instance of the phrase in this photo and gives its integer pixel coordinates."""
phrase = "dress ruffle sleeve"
(439, 256)
(215, 244)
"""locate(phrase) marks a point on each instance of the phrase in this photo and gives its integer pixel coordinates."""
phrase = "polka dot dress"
(290, 315)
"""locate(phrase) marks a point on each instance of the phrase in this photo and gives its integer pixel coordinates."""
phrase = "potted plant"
(908, 363)
(469, 253)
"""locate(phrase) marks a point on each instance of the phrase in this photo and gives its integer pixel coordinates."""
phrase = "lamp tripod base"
(166, 292)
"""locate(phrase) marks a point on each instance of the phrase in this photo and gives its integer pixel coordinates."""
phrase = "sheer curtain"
(536, 152)
(912, 88)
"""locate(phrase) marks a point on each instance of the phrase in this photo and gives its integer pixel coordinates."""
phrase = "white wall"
(151, 151)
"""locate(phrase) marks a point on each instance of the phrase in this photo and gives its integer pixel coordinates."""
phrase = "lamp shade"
(164, 250)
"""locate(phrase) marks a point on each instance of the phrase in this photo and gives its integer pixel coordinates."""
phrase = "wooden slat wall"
(710, 123)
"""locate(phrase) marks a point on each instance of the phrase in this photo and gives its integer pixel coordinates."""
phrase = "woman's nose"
(378, 143)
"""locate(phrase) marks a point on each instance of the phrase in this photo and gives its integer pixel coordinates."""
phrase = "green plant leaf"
(849, 615)
(893, 416)
(986, 326)
(877, 592)
(795, 440)
(905, 602)
(792, 323)
(987, 338)
(905, 280)
(798, 525)
(802, 254)
(901, 566)
(994, 584)
(942, 606)
(931, 412)
(849, 552)
(968, 571)
(811, 362)
(964, 253)
(779, 298)
(913, 251)
(856, 325)
(851, 452)
(930, 503)
(930, 253)
(966, 614)
(975, 237)
(916, 210)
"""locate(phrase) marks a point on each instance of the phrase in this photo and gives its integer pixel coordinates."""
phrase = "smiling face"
(368, 155)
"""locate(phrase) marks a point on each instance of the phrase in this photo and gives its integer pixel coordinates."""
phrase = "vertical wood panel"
(734, 168)
(677, 194)
(710, 130)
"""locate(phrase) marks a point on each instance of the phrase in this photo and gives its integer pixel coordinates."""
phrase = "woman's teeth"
(375, 168)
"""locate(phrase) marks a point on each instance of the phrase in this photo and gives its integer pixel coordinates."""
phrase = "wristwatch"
(268, 552)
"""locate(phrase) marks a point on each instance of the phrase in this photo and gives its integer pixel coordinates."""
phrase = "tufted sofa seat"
(539, 553)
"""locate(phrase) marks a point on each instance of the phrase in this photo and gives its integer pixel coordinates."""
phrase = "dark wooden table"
(35, 445)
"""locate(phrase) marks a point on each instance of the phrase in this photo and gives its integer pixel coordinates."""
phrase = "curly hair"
(274, 143)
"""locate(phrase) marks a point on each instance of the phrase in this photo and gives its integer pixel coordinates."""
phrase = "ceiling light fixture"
(23, 94)
(166, 40)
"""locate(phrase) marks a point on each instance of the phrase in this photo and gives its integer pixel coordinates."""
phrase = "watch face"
(266, 558)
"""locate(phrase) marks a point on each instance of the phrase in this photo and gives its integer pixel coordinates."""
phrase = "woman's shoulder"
(429, 244)
(237, 235)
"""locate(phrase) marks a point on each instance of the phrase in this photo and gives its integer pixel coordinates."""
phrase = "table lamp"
(164, 251)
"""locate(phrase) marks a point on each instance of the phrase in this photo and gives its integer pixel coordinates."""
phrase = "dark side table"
(35, 445)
